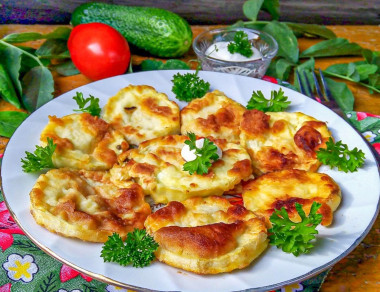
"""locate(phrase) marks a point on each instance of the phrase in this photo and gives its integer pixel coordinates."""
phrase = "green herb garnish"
(338, 155)
(205, 156)
(138, 249)
(277, 102)
(189, 86)
(40, 159)
(294, 237)
(240, 45)
(93, 109)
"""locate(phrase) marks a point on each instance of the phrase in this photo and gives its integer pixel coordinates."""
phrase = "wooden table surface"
(360, 270)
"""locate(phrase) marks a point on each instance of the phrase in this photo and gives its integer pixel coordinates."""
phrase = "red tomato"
(270, 79)
(98, 50)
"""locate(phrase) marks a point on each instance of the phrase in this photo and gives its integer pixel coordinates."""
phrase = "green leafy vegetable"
(170, 64)
(240, 45)
(294, 237)
(138, 249)
(287, 41)
(342, 94)
(277, 102)
(38, 87)
(93, 109)
(65, 68)
(338, 155)
(333, 47)
(251, 8)
(189, 86)
(9, 121)
(311, 30)
(40, 159)
(205, 156)
(7, 91)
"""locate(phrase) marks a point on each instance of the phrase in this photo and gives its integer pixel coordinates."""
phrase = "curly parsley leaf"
(138, 249)
(294, 237)
(338, 155)
(40, 159)
(240, 45)
(277, 102)
(205, 156)
(189, 86)
(93, 108)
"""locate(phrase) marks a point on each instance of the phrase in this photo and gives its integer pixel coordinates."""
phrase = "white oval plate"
(274, 268)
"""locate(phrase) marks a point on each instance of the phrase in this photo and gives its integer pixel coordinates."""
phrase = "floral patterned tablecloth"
(24, 267)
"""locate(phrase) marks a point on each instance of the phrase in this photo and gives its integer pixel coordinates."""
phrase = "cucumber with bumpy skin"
(160, 32)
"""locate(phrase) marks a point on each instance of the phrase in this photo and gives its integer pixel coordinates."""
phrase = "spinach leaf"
(11, 59)
(313, 30)
(280, 68)
(272, 7)
(287, 41)
(66, 68)
(53, 49)
(60, 33)
(7, 91)
(333, 47)
(251, 8)
(365, 70)
(342, 94)
(38, 88)
(9, 121)
(171, 64)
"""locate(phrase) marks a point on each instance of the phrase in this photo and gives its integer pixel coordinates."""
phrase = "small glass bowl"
(262, 41)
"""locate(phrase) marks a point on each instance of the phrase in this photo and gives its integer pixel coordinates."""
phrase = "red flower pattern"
(362, 115)
(68, 273)
(7, 227)
(6, 288)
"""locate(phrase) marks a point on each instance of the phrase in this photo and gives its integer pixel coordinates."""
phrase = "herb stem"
(349, 79)
(23, 51)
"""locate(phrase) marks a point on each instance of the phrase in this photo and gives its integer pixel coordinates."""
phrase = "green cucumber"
(160, 32)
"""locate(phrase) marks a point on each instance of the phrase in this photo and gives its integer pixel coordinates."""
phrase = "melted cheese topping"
(142, 113)
(83, 142)
(283, 188)
(157, 165)
(207, 235)
(87, 205)
(213, 115)
(282, 140)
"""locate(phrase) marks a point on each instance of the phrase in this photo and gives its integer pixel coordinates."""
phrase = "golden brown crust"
(83, 142)
(284, 188)
(157, 165)
(207, 235)
(282, 140)
(213, 115)
(87, 205)
(141, 113)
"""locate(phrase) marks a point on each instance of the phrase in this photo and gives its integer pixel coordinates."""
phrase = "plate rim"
(107, 280)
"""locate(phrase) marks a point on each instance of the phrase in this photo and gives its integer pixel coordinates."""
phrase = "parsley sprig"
(138, 249)
(338, 155)
(240, 45)
(205, 156)
(277, 102)
(40, 159)
(189, 86)
(294, 237)
(93, 108)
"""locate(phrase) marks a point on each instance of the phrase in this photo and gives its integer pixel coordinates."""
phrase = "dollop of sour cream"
(219, 50)
(189, 155)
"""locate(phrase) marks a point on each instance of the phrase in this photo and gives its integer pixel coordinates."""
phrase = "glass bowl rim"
(272, 53)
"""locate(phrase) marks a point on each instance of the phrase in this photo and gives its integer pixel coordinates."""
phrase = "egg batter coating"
(157, 165)
(83, 142)
(284, 188)
(213, 115)
(207, 235)
(141, 113)
(282, 140)
(87, 205)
